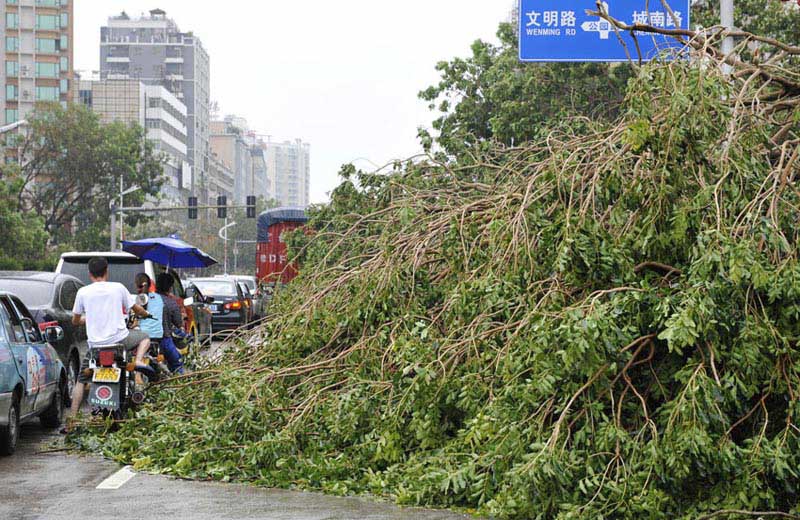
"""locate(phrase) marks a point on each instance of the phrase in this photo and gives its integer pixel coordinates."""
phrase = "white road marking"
(118, 479)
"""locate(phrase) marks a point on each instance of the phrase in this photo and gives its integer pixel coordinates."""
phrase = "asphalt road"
(41, 482)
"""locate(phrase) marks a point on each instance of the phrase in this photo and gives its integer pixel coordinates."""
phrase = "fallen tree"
(600, 323)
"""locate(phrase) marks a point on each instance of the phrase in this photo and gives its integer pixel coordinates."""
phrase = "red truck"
(271, 264)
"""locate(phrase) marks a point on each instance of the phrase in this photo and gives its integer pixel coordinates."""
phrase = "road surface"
(41, 482)
(37, 483)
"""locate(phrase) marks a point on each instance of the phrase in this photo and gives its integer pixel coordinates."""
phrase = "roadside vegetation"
(56, 194)
(595, 320)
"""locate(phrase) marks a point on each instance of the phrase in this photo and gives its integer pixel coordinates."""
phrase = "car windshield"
(215, 288)
(120, 270)
(33, 293)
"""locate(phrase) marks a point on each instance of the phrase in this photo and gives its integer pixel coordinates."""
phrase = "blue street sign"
(560, 30)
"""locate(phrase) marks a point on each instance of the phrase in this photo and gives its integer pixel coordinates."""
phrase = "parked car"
(123, 268)
(257, 295)
(33, 381)
(228, 308)
(50, 298)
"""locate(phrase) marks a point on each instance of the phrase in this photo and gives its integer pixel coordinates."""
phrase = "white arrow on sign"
(596, 27)
(602, 27)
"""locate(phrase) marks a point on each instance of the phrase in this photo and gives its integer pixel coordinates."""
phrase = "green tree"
(492, 96)
(22, 234)
(72, 169)
(771, 18)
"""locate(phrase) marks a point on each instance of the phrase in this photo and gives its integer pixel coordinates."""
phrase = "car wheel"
(54, 415)
(10, 434)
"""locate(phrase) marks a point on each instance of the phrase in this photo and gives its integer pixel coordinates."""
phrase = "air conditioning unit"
(26, 94)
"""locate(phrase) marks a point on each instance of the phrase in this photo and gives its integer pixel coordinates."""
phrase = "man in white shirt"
(103, 306)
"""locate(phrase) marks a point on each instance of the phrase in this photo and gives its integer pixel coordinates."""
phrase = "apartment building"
(38, 39)
(220, 179)
(289, 167)
(153, 50)
(156, 109)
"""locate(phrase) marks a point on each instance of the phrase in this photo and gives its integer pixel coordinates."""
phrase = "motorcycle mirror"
(142, 300)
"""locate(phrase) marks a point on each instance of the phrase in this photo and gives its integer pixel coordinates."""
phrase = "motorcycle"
(113, 390)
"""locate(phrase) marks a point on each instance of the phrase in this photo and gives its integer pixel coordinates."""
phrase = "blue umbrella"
(170, 252)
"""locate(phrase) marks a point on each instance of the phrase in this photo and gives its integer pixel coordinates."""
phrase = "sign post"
(561, 31)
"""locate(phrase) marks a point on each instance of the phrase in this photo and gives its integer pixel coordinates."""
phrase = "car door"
(26, 359)
(9, 375)
(245, 311)
(73, 335)
(42, 359)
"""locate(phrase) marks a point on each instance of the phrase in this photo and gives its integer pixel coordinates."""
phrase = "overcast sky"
(342, 75)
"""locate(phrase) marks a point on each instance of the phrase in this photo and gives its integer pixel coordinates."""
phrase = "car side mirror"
(54, 334)
(209, 299)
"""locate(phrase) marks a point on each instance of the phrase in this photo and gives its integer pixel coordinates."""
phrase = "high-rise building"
(260, 184)
(220, 179)
(153, 50)
(228, 142)
(158, 111)
(38, 38)
(289, 168)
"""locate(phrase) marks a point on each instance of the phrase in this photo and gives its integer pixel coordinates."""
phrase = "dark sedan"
(50, 298)
(228, 310)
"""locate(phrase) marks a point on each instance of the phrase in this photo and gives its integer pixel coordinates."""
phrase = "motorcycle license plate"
(104, 395)
(107, 375)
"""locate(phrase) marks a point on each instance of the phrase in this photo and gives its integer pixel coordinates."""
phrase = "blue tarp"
(278, 215)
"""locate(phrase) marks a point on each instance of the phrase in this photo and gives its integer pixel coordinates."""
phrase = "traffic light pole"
(116, 210)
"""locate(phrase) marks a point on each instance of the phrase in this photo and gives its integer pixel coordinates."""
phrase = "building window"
(86, 97)
(64, 42)
(47, 70)
(47, 22)
(12, 115)
(64, 84)
(12, 68)
(64, 20)
(47, 93)
(11, 92)
(12, 43)
(12, 20)
(46, 45)
(64, 64)
(48, 3)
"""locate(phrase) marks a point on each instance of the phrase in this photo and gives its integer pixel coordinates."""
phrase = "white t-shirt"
(105, 305)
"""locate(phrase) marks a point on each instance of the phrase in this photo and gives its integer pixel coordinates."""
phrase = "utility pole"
(223, 234)
(726, 20)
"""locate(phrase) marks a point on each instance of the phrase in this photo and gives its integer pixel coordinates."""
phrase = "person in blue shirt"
(173, 321)
(160, 327)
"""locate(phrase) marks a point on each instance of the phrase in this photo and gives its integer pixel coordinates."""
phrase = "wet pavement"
(38, 483)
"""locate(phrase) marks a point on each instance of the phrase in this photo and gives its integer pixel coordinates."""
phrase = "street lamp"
(223, 234)
(122, 193)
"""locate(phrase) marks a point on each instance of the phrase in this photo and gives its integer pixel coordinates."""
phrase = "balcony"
(118, 59)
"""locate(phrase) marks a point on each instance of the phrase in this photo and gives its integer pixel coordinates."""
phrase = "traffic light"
(251, 206)
(192, 208)
(222, 203)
